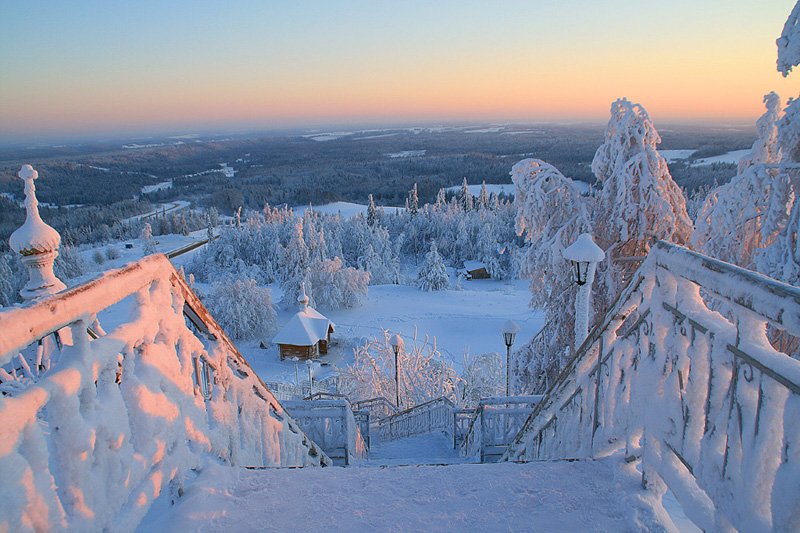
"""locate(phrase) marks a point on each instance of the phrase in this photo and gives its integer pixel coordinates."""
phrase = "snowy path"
(430, 449)
(600, 495)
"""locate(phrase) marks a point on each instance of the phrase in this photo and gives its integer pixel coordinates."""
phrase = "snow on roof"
(584, 249)
(305, 328)
(473, 265)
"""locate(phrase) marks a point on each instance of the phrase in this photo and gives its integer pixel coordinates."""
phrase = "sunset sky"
(103, 67)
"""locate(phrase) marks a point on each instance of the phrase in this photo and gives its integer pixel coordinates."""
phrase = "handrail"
(498, 413)
(433, 415)
(148, 401)
(681, 375)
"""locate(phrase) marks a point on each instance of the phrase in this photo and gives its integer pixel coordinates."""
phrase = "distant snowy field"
(346, 209)
(497, 188)
(730, 157)
(676, 155)
(506, 188)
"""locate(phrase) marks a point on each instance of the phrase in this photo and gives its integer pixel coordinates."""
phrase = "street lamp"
(397, 345)
(584, 255)
(510, 330)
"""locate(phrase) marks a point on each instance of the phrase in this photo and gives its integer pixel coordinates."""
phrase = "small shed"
(306, 335)
(475, 270)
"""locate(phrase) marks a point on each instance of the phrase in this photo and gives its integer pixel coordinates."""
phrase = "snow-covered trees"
(483, 199)
(789, 42)
(466, 196)
(413, 201)
(781, 258)
(334, 286)
(424, 374)
(372, 212)
(639, 202)
(733, 221)
(147, 239)
(433, 274)
(483, 376)
(551, 213)
(243, 309)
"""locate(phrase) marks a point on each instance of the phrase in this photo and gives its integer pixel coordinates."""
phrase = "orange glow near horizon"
(719, 74)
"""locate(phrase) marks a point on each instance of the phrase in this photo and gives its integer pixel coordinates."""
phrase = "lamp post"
(397, 346)
(584, 255)
(510, 330)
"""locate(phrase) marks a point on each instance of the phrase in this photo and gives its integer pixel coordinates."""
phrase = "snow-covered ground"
(164, 185)
(506, 188)
(475, 190)
(729, 157)
(602, 495)
(163, 244)
(406, 153)
(462, 321)
(431, 449)
(170, 207)
(676, 155)
(346, 209)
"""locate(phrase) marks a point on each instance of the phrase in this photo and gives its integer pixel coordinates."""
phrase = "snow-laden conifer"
(639, 202)
(466, 196)
(372, 212)
(243, 309)
(433, 274)
(483, 198)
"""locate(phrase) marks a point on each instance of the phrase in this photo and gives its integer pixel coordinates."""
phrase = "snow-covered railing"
(682, 374)
(433, 415)
(90, 443)
(332, 425)
(378, 407)
(494, 425)
(462, 420)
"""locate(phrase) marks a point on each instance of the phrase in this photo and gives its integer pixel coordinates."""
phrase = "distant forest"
(102, 183)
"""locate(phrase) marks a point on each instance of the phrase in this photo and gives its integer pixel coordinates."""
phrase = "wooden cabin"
(475, 270)
(306, 335)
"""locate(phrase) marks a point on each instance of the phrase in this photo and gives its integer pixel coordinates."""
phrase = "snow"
(469, 319)
(676, 155)
(789, 43)
(126, 417)
(473, 265)
(332, 136)
(567, 496)
(494, 129)
(345, 209)
(406, 153)
(34, 236)
(169, 207)
(497, 188)
(164, 185)
(508, 188)
(730, 158)
(306, 328)
(584, 249)
(694, 363)
(432, 449)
